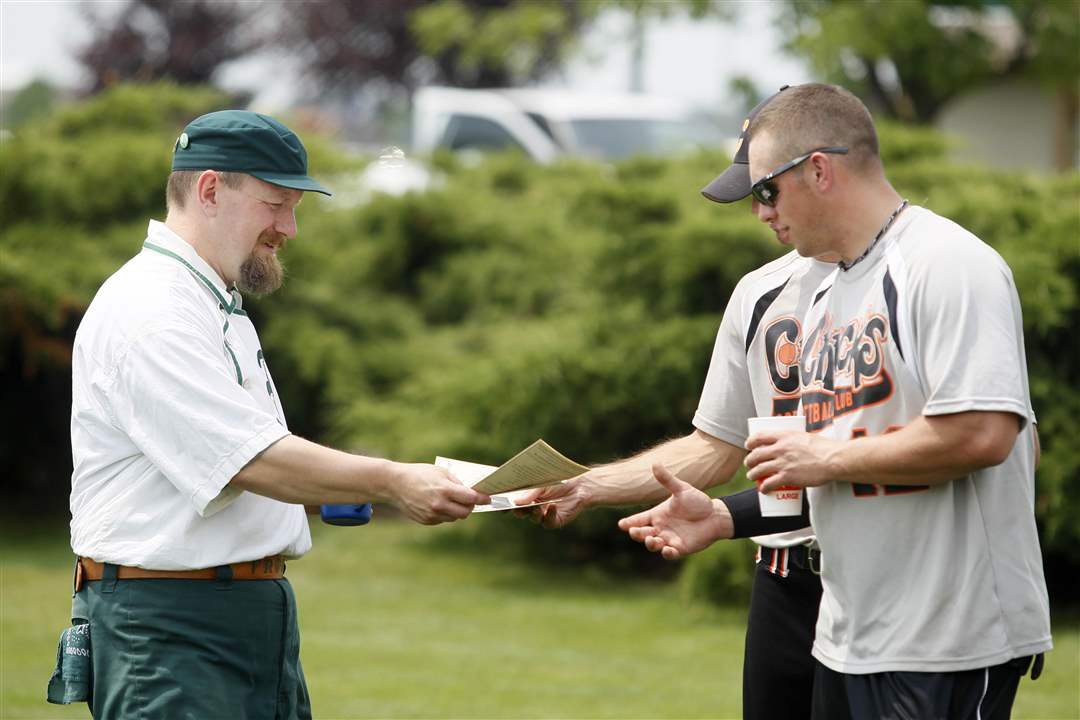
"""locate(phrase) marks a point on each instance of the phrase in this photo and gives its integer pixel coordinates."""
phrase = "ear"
(206, 192)
(823, 172)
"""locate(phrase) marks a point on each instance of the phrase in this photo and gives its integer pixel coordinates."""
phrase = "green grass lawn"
(395, 626)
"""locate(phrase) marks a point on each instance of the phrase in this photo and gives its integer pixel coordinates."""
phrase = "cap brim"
(295, 182)
(729, 186)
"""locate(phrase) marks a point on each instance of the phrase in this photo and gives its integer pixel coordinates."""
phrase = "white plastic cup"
(785, 501)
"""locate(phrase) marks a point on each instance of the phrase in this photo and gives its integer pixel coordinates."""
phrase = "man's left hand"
(790, 458)
(686, 522)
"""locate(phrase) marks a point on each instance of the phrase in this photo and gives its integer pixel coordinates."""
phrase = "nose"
(763, 212)
(286, 222)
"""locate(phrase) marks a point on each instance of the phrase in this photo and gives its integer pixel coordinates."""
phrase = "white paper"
(469, 473)
(506, 501)
(538, 465)
(535, 466)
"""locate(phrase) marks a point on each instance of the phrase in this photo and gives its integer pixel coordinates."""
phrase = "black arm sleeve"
(748, 522)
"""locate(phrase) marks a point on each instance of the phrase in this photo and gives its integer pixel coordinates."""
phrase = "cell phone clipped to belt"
(70, 681)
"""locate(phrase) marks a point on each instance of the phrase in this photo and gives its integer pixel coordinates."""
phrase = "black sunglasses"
(765, 190)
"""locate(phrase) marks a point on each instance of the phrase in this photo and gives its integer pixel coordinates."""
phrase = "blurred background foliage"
(907, 59)
(910, 58)
(577, 302)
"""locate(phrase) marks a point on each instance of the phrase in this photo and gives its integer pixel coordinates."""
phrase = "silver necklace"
(845, 266)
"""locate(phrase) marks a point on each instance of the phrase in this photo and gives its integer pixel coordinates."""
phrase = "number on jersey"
(862, 490)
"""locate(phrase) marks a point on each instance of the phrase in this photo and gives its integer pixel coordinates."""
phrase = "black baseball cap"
(734, 183)
(245, 142)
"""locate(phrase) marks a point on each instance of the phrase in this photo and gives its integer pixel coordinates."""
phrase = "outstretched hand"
(686, 522)
(430, 495)
(568, 504)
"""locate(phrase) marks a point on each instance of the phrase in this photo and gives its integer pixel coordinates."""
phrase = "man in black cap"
(188, 490)
(753, 372)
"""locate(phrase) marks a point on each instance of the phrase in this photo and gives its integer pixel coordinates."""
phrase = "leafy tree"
(158, 39)
(499, 44)
(911, 57)
(348, 44)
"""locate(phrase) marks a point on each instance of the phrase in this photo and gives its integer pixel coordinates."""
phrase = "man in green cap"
(188, 490)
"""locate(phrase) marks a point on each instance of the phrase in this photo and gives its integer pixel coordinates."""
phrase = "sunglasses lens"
(765, 193)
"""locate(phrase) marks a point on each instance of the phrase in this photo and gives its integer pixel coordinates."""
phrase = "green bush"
(76, 191)
(576, 302)
(722, 574)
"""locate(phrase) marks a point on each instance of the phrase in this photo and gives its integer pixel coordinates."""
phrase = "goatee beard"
(261, 274)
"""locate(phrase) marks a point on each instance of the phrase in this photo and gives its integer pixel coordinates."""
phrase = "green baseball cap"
(245, 142)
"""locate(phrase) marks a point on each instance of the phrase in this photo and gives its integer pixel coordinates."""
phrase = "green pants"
(197, 649)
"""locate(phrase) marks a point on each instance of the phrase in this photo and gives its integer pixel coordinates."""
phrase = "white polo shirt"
(171, 397)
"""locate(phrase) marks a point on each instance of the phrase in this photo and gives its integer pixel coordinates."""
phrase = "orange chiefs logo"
(843, 369)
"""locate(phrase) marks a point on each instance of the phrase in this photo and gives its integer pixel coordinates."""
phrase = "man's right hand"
(431, 495)
(569, 497)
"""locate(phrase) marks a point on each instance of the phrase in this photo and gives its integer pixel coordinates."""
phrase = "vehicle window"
(614, 139)
(469, 132)
(542, 123)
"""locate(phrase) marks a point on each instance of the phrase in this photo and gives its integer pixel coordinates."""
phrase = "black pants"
(778, 670)
(987, 693)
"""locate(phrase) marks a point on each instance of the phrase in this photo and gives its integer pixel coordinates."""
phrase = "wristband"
(746, 516)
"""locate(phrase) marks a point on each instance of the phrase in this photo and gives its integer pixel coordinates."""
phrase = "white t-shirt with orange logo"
(754, 367)
(930, 579)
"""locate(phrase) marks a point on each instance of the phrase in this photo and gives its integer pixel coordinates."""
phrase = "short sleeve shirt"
(754, 366)
(916, 578)
(171, 397)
